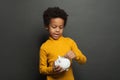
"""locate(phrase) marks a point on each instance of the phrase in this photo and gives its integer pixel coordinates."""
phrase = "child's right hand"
(70, 55)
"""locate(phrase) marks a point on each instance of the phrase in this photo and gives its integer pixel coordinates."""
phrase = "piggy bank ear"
(59, 57)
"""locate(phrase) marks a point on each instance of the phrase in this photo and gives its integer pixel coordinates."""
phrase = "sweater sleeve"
(43, 67)
(80, 57)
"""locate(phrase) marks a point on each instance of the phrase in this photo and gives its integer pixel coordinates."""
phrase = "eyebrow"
(55, 25)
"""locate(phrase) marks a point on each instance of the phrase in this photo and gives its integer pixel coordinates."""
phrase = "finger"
(65, 56)
(57, 68)
(60, 70)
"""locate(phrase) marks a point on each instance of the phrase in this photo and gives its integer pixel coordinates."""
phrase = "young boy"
(57, 45)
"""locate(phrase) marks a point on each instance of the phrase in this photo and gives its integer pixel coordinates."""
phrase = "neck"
(55, 39)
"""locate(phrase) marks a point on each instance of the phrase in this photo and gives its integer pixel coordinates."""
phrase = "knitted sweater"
(49, 52)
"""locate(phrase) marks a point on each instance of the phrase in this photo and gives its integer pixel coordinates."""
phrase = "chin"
(55, 38)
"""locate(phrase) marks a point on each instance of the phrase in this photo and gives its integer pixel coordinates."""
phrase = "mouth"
(56, 35)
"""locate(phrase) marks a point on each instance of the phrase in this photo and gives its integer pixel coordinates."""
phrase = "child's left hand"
(57, 69)
(70, 55)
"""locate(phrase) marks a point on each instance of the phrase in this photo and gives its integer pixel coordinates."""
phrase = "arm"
(43, 68)
(79, 56)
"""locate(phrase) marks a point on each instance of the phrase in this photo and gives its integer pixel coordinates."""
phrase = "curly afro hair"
(54, 12)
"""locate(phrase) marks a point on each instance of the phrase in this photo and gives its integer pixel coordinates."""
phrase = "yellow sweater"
(49, 52)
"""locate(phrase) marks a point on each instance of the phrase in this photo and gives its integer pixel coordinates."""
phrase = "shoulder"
(44, 45)
(69, 39)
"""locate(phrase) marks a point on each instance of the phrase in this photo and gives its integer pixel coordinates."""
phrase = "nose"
(57, 29)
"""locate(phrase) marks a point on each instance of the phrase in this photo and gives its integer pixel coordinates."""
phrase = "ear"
(46, 27)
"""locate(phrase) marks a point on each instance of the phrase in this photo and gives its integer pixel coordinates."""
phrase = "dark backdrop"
(93, 24)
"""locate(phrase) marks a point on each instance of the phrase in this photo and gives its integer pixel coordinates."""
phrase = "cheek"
(51, 30)
(61, 31)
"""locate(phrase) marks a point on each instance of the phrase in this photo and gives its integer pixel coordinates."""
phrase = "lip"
(56, 34)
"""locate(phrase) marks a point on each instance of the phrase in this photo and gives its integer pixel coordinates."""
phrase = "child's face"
(56, 27)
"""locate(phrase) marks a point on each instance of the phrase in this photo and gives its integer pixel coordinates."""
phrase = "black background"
(93, 24)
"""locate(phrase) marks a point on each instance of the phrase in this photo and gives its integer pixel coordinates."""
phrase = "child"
(57, 45)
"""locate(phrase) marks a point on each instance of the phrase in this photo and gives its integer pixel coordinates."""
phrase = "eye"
(61, 27)
(53, 26)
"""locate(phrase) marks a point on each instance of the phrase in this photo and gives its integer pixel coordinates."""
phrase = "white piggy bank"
(63, 62)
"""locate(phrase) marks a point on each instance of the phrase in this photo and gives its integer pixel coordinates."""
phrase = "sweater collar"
(60, 38)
